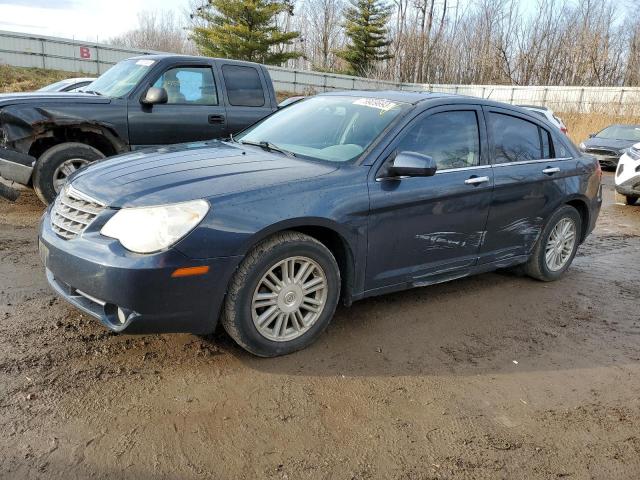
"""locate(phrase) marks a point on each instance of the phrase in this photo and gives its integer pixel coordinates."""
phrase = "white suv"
(628, 175)
(547, 114)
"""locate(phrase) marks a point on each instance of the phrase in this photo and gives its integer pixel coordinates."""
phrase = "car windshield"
(329, 128)
(621, 132)
(120, 79)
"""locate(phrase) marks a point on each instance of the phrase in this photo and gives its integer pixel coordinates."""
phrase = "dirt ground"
(495, 376)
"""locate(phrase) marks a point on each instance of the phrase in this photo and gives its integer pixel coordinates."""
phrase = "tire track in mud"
(420, 384)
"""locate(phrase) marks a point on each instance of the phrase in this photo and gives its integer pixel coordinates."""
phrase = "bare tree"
(157, 30)
(324, 36)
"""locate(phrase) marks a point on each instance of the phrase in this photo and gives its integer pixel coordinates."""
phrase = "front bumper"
(99, 276)
(627, 178)
(16, 166)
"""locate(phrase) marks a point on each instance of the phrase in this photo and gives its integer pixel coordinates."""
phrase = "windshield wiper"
(268, 146)
(95, 92)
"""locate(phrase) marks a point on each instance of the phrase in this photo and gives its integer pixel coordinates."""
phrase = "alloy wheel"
(65, 169)
(560, 244)
(289, 299)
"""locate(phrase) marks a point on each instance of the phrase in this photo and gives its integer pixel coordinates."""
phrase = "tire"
(631, 199)
(240, 317)
(537, 266)
(48, 170)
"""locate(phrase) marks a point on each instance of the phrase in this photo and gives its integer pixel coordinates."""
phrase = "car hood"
(49, 98)
(614, 144)
(179, 173)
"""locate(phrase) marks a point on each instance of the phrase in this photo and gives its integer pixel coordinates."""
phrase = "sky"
(97, 20)
(81, 19)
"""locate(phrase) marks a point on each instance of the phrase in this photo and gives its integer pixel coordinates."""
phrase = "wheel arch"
(97, 136)
(327, 232)
(581, 205)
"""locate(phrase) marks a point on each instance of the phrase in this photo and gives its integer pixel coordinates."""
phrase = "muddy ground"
(494, 376)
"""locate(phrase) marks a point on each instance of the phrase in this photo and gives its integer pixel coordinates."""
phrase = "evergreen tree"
(366, 27)
(244, 30)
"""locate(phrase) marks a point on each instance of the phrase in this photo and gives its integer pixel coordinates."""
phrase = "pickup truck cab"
(140, 102)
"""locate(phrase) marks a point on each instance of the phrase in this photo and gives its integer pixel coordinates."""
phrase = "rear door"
(246, 93)
(529, 172)
(425, 229)
(194, 110)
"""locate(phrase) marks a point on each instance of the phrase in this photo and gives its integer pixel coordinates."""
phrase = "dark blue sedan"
(335, 198)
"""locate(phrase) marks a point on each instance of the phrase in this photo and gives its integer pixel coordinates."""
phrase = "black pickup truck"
(140, 102)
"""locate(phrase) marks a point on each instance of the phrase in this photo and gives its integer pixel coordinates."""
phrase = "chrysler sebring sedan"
(333, 199)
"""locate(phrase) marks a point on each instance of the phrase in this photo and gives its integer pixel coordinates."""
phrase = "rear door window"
(244, 88)
(518, 140)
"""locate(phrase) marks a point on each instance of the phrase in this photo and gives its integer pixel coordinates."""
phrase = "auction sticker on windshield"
(145, 63)
(379, 103)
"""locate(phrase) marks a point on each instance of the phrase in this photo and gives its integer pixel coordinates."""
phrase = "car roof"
(415, 98)
(196, 58)
(393, 95)
(534, 107)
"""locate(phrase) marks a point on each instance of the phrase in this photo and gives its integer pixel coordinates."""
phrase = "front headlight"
(582, 146)
(150, 229)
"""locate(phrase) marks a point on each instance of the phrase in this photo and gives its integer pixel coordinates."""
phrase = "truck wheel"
(57, 163)
(557, 245)
(282, 296)
(631, 199)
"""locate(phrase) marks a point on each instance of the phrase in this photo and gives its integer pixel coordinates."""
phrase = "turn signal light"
(190, 271)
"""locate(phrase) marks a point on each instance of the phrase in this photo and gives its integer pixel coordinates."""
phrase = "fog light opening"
(122, 316)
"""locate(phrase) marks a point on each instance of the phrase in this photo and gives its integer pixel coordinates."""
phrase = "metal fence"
(26, 50)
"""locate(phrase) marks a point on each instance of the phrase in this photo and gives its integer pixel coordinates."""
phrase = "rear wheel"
(56, 164)
(631, 199)
(282, 296)
(556, 246)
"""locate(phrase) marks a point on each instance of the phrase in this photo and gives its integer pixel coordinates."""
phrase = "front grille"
(603, 152)
(72, 213)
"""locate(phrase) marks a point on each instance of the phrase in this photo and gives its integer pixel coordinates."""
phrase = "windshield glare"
(621, 132)
(331, 128)
(120, 79)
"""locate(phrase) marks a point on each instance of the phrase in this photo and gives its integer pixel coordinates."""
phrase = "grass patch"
(19, 79)
(580, 125)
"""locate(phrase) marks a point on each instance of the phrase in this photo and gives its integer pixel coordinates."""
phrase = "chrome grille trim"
(603, 152)
(73, 212)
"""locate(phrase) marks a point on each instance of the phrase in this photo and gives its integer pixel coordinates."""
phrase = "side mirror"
(155, 95)
(412, 164)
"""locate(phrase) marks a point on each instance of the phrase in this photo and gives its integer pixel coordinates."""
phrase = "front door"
(194, 109)
(424, 228)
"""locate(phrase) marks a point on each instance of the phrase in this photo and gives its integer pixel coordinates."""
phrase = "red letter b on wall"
(85, 52)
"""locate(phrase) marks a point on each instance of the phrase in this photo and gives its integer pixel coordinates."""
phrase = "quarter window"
(451, 138)
(244, 88)
(189, 86)
(518, 140)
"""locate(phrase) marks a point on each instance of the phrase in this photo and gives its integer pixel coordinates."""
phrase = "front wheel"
(282, 296)
(56, 164)
(631, 199)
(556, 246)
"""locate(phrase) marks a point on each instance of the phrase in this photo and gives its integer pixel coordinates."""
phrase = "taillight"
(598, 169)
(564, 130)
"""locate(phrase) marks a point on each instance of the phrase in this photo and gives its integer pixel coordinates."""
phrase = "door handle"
(476, 180)
(216, 118)
(550, 170)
